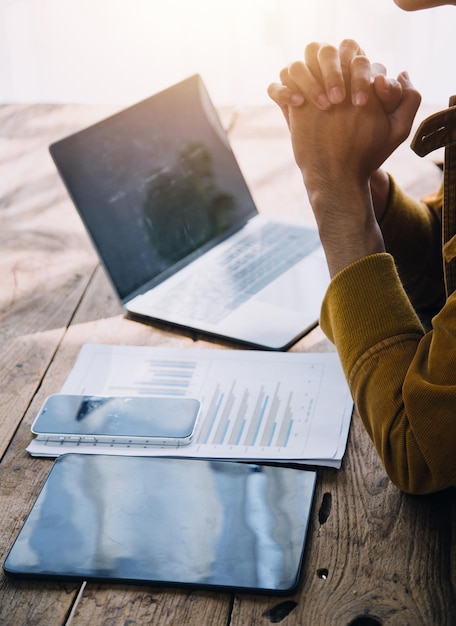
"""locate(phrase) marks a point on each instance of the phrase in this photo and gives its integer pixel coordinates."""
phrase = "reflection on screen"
(178, 521)
(154, 183)
(187, 197)
(117, 416)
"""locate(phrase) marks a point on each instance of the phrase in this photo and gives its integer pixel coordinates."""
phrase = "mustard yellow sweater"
(403, 380)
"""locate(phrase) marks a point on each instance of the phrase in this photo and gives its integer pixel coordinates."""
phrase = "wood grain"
(379, 555)
(374, 557)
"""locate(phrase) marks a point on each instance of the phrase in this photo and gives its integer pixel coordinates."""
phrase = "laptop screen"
(155, 184)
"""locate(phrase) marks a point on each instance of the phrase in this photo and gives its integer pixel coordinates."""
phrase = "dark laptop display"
(162, 196)
(154, 183)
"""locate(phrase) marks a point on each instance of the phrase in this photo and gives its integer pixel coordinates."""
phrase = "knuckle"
(327, 51)
(285, 77)
(295, 69)
(360, 61)
(312, 47)
(283, 73)
(312, 51)
(350, 44)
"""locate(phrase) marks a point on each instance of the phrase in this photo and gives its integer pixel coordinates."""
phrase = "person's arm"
(337, 151)
(412, 234)
(324, 78)
(402, 379)
(328, 75)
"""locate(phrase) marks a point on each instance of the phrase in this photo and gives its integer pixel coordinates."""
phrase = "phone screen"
(117, 416)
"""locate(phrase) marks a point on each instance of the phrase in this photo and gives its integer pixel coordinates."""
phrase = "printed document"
(256, 406)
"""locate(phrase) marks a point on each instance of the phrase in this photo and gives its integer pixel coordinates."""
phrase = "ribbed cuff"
(364, 305)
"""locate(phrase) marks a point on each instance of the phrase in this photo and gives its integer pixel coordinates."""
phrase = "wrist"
(380, 186)
(347, 224)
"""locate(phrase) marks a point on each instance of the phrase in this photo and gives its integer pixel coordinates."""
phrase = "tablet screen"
(167, 521)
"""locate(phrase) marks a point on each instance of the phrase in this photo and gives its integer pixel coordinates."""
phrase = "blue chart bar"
(240, 421)
(211, 416)
(224, 421)
(287, 425)
(234, 419)
(257, 418)
(271, 422)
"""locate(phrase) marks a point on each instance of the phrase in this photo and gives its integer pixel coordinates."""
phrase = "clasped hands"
(346, 117)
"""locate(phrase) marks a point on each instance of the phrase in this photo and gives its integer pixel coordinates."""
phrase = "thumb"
(411, 98)
(388, 91)
(405, 112)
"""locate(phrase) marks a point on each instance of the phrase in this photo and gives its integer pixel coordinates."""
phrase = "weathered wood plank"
(99, 319)
(45, 255)
(373, 552)
(101, 604)
(18, 469)
(21, 478)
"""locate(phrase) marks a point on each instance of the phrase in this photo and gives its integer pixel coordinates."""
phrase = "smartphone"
(152, 421)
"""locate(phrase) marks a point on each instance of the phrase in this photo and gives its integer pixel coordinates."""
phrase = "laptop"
(170, 214)
(146, 520)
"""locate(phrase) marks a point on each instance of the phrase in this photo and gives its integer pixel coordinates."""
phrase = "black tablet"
(215, 524)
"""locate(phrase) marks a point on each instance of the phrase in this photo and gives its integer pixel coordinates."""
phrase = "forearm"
(380, 191)
(402, 386)
(338, 156)
(346, 221)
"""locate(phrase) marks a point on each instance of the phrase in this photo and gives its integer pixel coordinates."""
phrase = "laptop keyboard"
(240, 272)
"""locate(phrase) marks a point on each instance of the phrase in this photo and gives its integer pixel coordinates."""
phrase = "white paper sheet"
(255, 405)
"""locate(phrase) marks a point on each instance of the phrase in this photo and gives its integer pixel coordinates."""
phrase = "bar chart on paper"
(246, 403)
(263, 415)
(255, 405)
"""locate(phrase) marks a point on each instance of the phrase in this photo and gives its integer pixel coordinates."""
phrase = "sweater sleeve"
(402, 379)
(412, 235)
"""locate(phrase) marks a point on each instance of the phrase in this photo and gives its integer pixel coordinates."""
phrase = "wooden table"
(374, 555)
